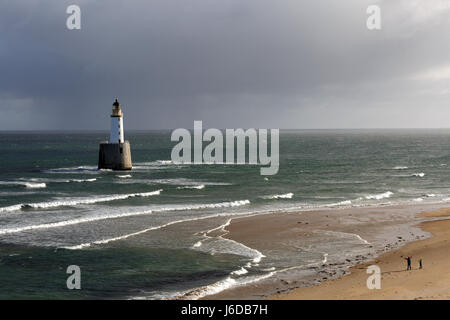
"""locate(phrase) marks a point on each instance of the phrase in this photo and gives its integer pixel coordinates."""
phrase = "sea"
(149, 233)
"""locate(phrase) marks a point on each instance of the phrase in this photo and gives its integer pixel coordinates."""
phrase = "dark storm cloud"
(231, 63)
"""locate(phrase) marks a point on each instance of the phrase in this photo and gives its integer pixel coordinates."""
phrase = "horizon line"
(170, 129)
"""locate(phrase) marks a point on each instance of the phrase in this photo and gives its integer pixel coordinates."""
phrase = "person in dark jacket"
(409, 263)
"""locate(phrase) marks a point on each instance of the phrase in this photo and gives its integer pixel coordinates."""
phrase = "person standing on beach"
(409, 263)
(420, 263)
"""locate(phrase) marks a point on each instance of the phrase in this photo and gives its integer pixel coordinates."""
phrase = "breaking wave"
(33, 185)
(83, 180)
(341, 203)
(11, 208)
(127, 214)
(420, 175)
(279, 196)
(240, 272)
(202, 186)
(222, 285)
(379, 196)
(30, 185)
(76, 201)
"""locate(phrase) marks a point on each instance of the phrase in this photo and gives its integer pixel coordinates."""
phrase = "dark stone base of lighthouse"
(115, 156)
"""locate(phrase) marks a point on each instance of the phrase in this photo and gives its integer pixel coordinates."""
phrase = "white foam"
(33, 185)
(222, 285)
(210, 289)
(418, 199)
(240, 272)
(90, 200)
(341, 203)
(269, 269)
(124, 176)
(379, 196)
(26, 184)
(77, 201)
(361, 239)
(420, 175)
(400, 168)
(84, 180)
(197, 244)
(235, 247)
(11, 208)
(221, 227)
(202, 186)
(225, 284)
(258, 257)
(279, 196)
(127, 214)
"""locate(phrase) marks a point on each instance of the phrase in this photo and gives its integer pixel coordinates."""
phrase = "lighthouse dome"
(116, 110)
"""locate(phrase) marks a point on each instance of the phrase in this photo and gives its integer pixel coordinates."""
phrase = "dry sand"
(432, 282)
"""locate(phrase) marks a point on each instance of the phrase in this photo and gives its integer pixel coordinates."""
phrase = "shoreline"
(347, 280)
(430, 283)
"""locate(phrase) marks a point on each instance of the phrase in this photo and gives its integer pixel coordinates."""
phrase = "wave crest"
(76, 201)
(124, 215)
(279, 196)
(202, 186)
(420, 175)
(379, 196)
(26, 184)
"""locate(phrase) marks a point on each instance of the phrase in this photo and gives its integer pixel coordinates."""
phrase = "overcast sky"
(230, 63)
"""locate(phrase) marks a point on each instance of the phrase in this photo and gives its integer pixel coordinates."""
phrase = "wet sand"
(391, 240)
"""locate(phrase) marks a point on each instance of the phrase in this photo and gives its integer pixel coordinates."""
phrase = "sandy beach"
(433, 246)
(432, 282)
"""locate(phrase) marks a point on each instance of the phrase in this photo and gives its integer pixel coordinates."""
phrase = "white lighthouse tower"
(116, 133)
(115, 154)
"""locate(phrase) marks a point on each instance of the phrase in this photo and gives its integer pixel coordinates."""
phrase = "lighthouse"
(115, 154)
(116, 133)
